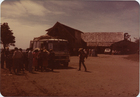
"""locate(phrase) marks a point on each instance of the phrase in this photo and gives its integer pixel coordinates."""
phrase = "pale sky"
(30, 18)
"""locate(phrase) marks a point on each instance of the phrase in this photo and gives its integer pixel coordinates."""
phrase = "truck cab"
(59, 46)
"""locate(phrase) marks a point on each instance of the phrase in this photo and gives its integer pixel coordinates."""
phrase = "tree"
(137, 40)
(127, 36)
(7, 37)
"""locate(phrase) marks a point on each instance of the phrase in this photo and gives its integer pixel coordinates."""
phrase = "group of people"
(40, 59)
(20, 61)
(88, 51)
(91, 52)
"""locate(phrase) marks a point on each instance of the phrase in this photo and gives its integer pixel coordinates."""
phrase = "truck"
(59, 46)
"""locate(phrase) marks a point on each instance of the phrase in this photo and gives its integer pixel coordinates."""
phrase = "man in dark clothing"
(10, 60)
(26, 59)
(6, 55)
(82, 56)
(40, 59)
(45, 58)
(52, 59)
(16, 59)
(21, 65)
(30, 60)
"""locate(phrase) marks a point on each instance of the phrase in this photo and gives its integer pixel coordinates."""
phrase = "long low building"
(101, 40)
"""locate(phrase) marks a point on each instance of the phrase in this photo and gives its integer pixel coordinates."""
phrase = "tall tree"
(7, 37)
(137, 41)
(127, 36)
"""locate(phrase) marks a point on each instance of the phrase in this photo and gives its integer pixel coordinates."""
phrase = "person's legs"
(6, 63)
(39, 64)
(10, 65)
(52, 65)
(26, 65)
(19, 65)
(79, 64)
(84, 66)
(30, 66)
(41, 67)
(22, 67)
(15, 66)
(2, 63)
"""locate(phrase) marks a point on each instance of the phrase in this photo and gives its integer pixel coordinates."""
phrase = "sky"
(30, 18)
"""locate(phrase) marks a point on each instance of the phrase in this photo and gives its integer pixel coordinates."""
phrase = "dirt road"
(108, 75)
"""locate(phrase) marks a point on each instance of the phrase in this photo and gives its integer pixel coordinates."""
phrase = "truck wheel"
(66, 64)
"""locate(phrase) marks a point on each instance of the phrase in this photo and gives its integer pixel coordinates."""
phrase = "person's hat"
(80, 49)
(45, 51)
(36, 49)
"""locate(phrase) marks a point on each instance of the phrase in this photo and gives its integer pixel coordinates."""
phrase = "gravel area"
(107, 76)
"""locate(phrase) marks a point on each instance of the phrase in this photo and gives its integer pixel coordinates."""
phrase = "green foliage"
(7, 37)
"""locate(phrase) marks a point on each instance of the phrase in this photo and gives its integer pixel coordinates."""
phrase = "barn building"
(73, 36)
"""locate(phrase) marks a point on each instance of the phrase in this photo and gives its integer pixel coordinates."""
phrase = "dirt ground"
(107, 76)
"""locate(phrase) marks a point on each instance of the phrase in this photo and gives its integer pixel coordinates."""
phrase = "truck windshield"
(60, 46)
(55, 45)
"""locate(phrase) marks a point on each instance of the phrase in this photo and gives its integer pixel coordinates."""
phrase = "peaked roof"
(123, 43)
(125, 46)
(62, 31)
(66, 27)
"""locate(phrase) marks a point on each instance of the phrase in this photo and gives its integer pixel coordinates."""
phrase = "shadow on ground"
(60, 66)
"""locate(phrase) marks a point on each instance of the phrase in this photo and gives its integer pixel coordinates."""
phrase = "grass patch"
(133, 57)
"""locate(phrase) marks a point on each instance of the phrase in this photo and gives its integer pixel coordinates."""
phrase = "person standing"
(35, 59)
(2, 59)
(30, 60)
(45, 59)
(6, 55)
(10, 61)
(82, 56)
(21, 66)
(26, 59)
(90, 52)
(93, 52)
(16, 59)
(52, 59)
(40, 59)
